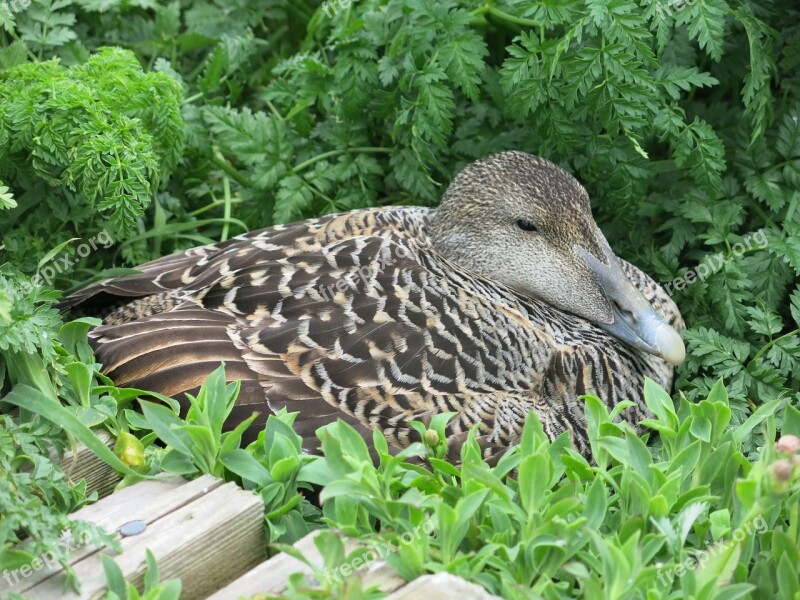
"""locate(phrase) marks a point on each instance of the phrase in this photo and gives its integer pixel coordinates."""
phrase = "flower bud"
(130, 450)
(782, 470)
(788, 444)
(431, 437)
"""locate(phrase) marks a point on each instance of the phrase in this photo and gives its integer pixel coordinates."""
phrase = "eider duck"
(504, 300)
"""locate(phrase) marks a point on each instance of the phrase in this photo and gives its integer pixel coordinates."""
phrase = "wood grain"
(203, 531)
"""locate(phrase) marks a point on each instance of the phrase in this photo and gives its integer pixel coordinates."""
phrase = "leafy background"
(171, 125)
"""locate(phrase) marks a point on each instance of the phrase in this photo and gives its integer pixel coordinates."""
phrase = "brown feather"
(358, 317)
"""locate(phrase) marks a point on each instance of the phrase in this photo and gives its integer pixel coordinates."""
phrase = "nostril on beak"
(626, 314)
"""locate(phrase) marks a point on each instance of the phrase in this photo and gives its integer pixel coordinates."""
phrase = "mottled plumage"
(361, 316)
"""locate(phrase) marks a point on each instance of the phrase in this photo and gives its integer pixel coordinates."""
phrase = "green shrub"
(691, 518)
(83, 147)
(682, 120)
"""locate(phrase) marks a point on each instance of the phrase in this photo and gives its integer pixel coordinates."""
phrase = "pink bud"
(782, 469)
(788, 444)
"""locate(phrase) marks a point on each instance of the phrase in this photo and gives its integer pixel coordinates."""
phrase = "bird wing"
(355, 317)
(322, 319)
(192, 268)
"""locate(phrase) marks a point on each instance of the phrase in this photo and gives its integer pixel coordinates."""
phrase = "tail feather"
(173, 353)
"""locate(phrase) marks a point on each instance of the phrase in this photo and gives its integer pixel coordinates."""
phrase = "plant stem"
(274, 111)
(508, 18)
(228, 168)
(226, 190)
(772, 343)
(489, 8)
(191, 99)
(332, 153)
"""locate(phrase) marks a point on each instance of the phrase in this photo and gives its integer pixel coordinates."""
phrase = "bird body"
(372, 317)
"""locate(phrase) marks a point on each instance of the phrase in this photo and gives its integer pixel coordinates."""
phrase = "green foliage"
(194, 445)
(29, 324)
(120, 589)
(546, 523)
(84, 145)
(49, 367)
(6, 197)
(271, 466)
(35, 498)
(276, 467)
(48, 375)
(680, 118)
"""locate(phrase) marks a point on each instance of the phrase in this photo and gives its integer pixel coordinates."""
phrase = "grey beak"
(634, 320)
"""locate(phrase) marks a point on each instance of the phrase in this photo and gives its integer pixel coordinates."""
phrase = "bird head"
(524, 222)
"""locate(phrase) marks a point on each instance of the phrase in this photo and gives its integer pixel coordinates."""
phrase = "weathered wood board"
(205, 531)
(271, 577)
(211, 535)
(82, 463)
(441, 586)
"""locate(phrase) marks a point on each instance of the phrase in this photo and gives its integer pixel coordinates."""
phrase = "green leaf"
(706, 21)
(718, 569)
(116, 580)
(659, 401)
(231, 440)
(29, 398)
(596, 504)
(788, 577)
(791, 421)
(535, 472)
(701, 429)
(762, 413)
(170, 590)
(174, 461)
(167, 425)
(245, 466)
(6, 197)
(454, 522)
(151, 573)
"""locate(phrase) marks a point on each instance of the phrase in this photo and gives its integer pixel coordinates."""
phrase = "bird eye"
(526, 225)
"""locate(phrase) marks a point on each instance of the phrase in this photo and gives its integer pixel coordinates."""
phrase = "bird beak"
(633, 319)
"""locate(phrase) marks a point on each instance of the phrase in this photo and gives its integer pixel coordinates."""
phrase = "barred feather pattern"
(356, 316)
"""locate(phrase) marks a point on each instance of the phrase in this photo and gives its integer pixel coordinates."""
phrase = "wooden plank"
(441, 586)
(146, 501)
(271, 576)
(82, 463)
(203, 531)
(206, 542)
(382, 575)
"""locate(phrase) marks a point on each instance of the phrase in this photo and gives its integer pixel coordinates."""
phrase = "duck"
(504, 300)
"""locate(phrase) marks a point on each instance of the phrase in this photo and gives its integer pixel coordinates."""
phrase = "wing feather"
(356, 317)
